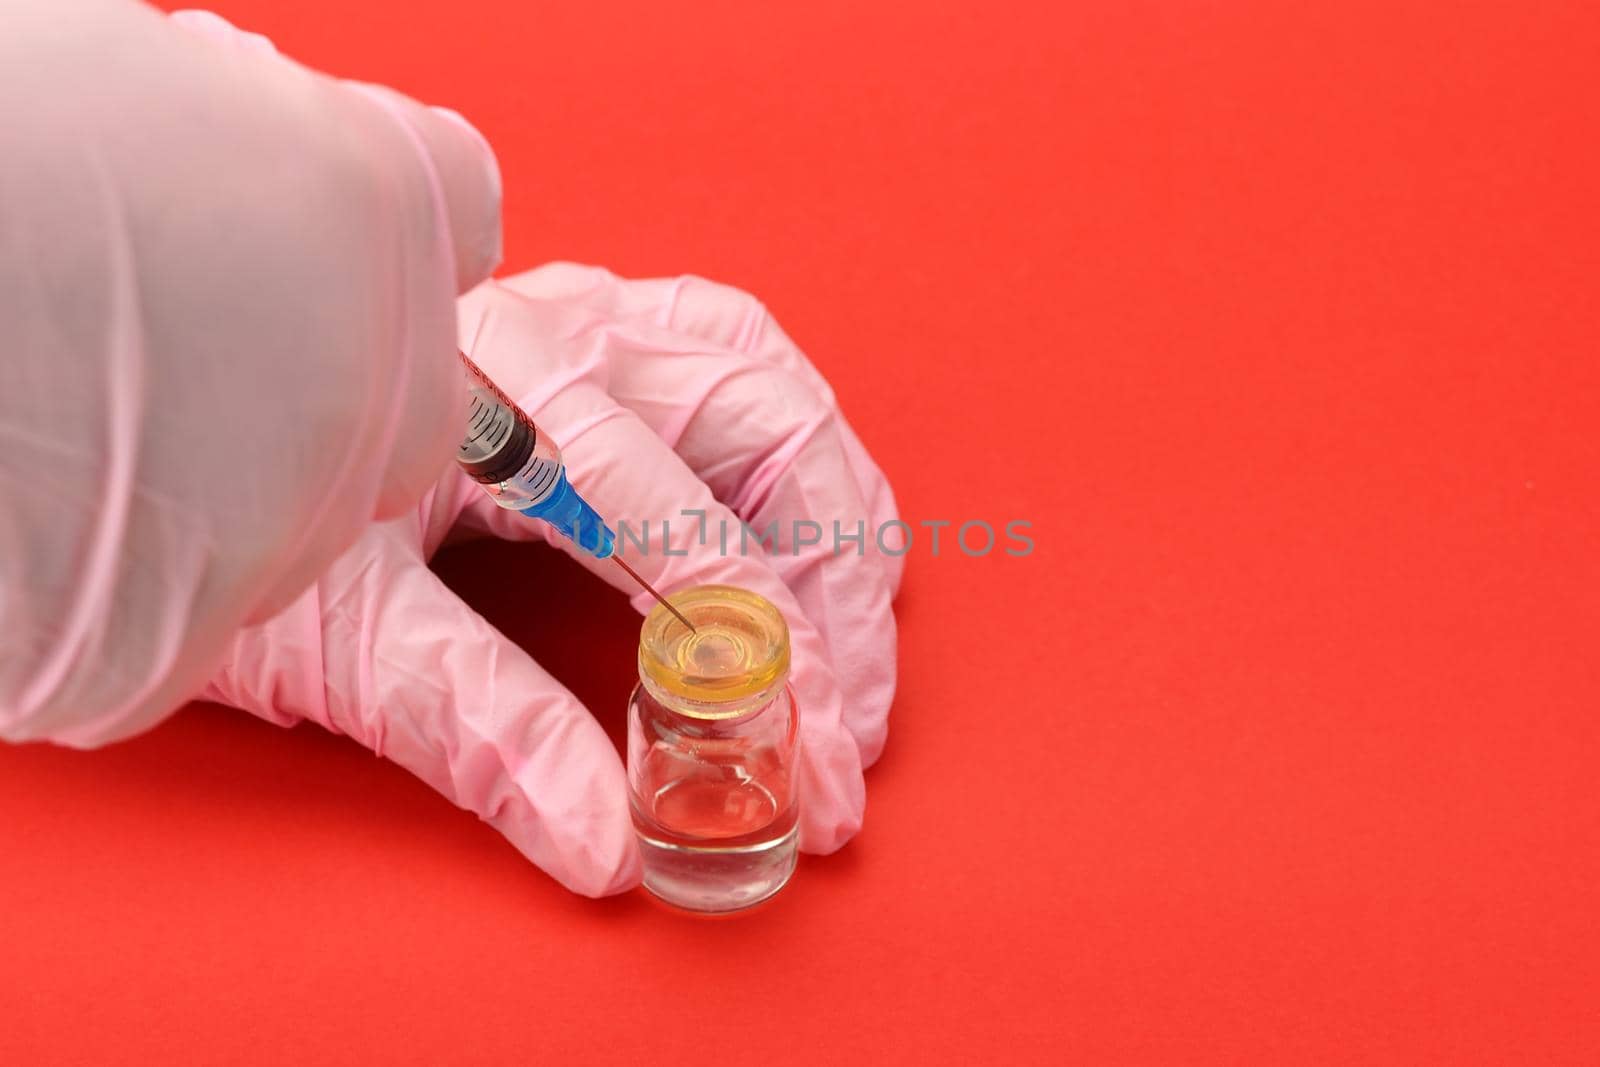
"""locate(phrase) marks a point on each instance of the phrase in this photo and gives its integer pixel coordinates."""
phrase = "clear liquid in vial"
(713, 831)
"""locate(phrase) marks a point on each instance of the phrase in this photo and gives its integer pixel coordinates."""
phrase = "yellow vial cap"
(739, 648)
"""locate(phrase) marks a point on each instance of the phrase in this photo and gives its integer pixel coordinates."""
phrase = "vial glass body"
(713, 746)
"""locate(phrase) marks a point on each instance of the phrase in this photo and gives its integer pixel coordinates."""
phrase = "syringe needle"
(652, 591)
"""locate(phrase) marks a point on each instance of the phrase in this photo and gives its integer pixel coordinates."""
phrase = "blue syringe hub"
(579, 523)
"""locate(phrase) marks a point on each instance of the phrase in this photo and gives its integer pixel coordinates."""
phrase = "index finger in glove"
(382, 651)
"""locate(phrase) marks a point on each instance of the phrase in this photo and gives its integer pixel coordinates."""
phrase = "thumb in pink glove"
(228, 288)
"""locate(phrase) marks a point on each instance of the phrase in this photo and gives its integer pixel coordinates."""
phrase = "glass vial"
(713, 745)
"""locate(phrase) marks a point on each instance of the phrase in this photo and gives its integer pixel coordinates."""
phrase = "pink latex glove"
(664, 396)
(227, 285)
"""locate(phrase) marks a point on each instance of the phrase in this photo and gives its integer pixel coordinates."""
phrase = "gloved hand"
(228, 289)
(664, 396)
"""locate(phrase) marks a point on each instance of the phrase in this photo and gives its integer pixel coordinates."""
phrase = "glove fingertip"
(476, 222)
(586, 856)
(833, 794)
(462, 177)
(211, 25)
(468, 178)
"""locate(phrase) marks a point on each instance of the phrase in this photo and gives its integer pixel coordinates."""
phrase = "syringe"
(520, 467)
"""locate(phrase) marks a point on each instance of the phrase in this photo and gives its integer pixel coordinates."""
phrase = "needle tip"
(652, 591)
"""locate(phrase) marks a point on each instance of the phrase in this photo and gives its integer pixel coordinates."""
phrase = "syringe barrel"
(502, 450)
(520, 467)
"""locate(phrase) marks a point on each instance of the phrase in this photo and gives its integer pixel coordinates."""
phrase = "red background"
(1281, 329)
